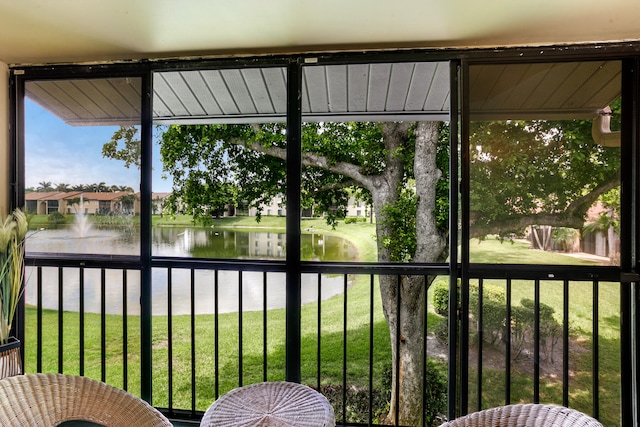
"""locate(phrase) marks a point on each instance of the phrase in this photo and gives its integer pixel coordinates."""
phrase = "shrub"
(357, 403)
(523, 324)
(436, 392)
(493, 307)
(494, 311)
(56, 218)
(356, 409)
(441, 298)
(354, 219)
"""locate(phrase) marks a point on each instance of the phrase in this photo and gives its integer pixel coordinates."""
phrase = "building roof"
(46, 195)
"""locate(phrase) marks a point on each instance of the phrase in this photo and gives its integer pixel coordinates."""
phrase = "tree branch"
(314, 160)
(339, 185)
(573, 216)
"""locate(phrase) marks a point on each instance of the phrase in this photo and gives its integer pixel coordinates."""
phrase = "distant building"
(45, 203)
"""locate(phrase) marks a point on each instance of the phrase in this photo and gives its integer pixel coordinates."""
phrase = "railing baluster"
(344, 350)
(398, 334)
(371, 344)
(425, 307)
(193, 341)
(536, 342)
(264, 327)
(39, 317)
(81, 319)
(240, 335)
(480, 330)
(595, 356)
(125, 333)
(216, 329)
(60, 320)
(565, 344)
(508, 315)
(103, 325)
(170, 338)
(319, 334)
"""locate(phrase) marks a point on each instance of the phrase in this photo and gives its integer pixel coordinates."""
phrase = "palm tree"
(607, 225)
(45, 186)
(565, 237)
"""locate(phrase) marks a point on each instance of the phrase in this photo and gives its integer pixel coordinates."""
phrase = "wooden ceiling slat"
(239, 91)
(569, 79)
(358, 82)
(257, 89)
(438, 92)
(484, 79)
(220, 92)
(188, 100)
(507, 89)
(379, 75)
(601, 80)
(316, 90)
(104, 107)
(520, 98)
(337, 88)
(168, 97)
(276, 81)
(40, 92)
(201, 89)
(399, 82)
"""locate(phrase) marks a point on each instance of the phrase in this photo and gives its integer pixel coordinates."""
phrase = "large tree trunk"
(403, 298)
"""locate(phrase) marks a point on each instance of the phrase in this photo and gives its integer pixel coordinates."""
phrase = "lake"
(172, 292)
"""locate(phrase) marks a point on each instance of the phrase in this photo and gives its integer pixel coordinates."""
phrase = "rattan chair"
(281, 404)
(51, 399)
(525, 415)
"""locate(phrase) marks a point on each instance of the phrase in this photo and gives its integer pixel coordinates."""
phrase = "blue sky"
(58, 153)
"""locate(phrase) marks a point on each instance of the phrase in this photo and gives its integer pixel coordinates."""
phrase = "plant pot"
(10, 362)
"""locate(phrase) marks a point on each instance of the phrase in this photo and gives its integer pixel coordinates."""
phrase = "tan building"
(44, 203)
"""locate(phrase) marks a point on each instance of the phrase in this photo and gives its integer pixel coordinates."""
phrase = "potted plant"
(13, 229)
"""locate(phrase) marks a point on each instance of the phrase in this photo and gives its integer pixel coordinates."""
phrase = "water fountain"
(81, 224)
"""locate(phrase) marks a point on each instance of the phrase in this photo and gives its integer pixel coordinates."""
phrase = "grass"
(329, 318)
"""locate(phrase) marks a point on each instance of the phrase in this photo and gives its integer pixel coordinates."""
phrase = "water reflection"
(181, 242)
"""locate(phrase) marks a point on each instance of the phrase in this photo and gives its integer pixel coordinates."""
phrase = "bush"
(436, 393)
(357, 403)
(55, 218)
(441, 298)
(494, 311)
(493, 307)
(356, 410)
(522, 328)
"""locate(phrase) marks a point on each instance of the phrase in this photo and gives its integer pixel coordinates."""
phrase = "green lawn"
(332, 345)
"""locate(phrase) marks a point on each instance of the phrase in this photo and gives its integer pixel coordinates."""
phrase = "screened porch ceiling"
(351, 92)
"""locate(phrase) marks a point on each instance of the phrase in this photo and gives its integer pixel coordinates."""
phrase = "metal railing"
(217, 325)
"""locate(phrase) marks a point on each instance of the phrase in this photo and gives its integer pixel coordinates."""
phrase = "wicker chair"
(51, 399)
(525, 415)
(278, 404)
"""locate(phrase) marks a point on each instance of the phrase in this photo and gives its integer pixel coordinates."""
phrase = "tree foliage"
(536, 172)
(129, 153)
